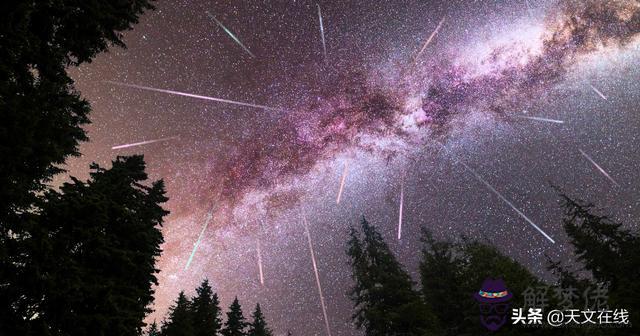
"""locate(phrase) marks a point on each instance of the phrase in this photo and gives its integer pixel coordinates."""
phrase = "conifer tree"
(153, 329)
(607, 251)
(92, 251)
(206, 311)
(180, 322)
(383, 294)
(442, 280)
(236, 323)
(42, 124)
(259, 326)
(451, 272)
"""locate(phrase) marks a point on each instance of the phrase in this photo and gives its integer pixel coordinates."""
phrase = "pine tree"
(153, 329)
(383, 294)
(206, 311)
(180, 322)
(42, 123)
(92, 251)
(236, 323)
(42, 113)
(442, 279)
(259, 326)
(451, 272)
(606, 250)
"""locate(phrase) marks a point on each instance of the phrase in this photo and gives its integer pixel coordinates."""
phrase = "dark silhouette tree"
(383, 294)
(442, 276)
(236, 323)
(92, 252)
(153, 329)
(206, 311)
(451, 272)
(259, 325)
(607, 253)
(42, 119)
(180, 322)
(41, 111)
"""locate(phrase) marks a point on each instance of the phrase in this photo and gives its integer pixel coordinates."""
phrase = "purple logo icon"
(493, 298)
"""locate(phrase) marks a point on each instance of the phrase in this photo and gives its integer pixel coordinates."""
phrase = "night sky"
(507, 99)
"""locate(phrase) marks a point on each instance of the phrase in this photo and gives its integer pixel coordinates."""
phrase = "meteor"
(144, 142)
(401, 204)
(259, 250)
(315, 270)
(195, 246)
(504, 199)
(324, 45)
(598, 92)
(541, 119)
(260, 261)
(178, 93)
(230, 34)
(342, 180)
(433, 34)
(598, 167)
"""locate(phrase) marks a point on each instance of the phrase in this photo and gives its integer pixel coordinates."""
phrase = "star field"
(373, 105)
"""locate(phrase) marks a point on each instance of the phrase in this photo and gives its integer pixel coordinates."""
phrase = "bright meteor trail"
(324, 45)
(342, 180)
(144, 142)
(401, 205)
(598, 167)
(260, 261)
(178, 93)
(195, 246)
(433, 34)
(504, 199)
(598, 92)
(541, 119)
(259, 250)
(315, 270)
(231, 34)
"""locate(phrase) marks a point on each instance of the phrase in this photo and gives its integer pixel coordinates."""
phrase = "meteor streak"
(401, 204)
(598, 167)
(144, 142)
(260, 261)
(342, 180)
(433, 34)
(231, 34)
(315, 270)
(598, 92)
(195, 246)
(259, 250)
(324, 45)
(541, 119)
(178, 93)
(504, 199)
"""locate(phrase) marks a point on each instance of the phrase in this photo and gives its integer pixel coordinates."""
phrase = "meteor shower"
(258, 167)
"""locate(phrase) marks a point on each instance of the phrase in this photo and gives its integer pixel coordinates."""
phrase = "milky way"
(272, 115)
